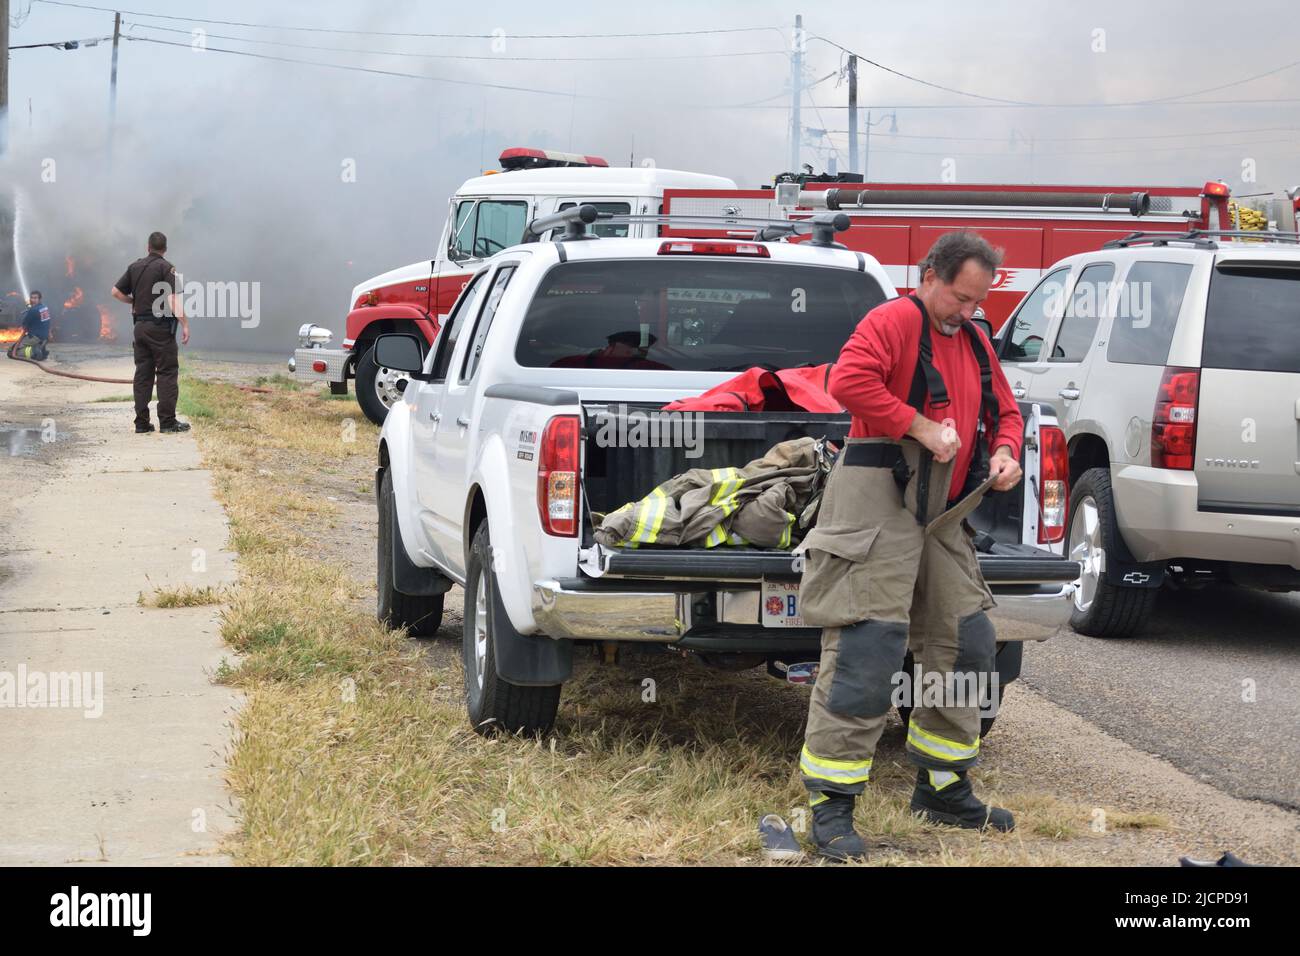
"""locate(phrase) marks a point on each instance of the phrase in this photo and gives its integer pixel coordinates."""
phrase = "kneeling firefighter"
(928, 401)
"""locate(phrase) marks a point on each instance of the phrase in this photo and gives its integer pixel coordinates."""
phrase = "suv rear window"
(1146, 312)
(692, 314)
(1252, 320)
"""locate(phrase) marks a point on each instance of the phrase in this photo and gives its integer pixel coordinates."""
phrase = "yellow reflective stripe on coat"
(787, 532)
(728, 482)
(938, 747)
(837, 771)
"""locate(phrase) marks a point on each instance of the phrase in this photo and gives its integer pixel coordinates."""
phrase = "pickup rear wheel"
(421, 615)
(493, 703)
(377, 388)
(1101, 609)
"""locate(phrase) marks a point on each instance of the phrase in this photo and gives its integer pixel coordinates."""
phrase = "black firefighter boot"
(954, 803)
(832, 829)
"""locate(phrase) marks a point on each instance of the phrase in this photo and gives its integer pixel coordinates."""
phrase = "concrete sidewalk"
(102, 515)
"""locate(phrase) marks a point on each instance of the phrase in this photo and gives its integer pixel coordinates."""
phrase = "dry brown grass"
(182, 596)
(353, 747)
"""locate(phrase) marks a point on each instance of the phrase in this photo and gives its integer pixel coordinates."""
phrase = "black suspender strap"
(926, 379)
(988, 400)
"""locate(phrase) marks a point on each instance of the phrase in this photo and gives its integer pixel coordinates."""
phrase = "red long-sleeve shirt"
(874, 375)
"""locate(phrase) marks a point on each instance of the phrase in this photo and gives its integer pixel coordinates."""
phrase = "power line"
(383, 33)
(1090, 152)
(465, 56)
(1158, 101)
(1083, 139)
(567, 94)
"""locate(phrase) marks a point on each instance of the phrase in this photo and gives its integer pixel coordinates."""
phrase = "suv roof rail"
(1201, 238)
(821, 228)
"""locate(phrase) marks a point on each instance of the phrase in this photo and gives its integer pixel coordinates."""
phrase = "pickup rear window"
(1252, 319)
(692, 314)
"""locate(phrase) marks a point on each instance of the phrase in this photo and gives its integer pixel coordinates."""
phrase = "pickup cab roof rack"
(1200, 238)
(574, 221)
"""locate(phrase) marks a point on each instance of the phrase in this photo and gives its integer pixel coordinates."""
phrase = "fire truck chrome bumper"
(564, 612)
(335, 361)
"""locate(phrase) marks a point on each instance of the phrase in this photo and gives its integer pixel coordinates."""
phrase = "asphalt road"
(1182, 688)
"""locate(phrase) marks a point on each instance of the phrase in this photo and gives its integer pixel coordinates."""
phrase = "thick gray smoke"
(307, 180)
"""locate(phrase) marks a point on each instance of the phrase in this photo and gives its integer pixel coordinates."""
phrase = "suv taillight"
(557, 476)
(1054, 502)
(1173, 423)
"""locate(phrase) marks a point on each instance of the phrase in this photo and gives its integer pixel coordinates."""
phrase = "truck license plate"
(781, 604)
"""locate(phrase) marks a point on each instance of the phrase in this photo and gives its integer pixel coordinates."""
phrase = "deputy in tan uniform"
(149, 286)
(891, 563)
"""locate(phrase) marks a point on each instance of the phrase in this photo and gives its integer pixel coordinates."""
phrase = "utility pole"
(112, 79)
(4, 75)
(796, 93)
(853, 113)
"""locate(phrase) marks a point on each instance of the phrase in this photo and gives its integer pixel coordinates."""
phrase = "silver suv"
(1174, 364)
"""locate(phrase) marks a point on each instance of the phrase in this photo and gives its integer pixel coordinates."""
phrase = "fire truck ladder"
(821, 228)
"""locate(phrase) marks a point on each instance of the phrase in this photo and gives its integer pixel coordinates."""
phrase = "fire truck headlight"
(313, 336)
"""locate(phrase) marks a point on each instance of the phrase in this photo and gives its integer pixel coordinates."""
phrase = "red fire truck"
(894, 222)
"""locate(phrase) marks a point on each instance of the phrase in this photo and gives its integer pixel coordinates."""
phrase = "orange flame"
(106, 333)
(76, 300)
(10, 335)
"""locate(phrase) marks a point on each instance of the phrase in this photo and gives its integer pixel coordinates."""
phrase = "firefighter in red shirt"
(933, 417)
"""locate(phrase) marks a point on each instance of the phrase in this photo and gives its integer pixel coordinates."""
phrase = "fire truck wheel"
(421, 615)
(377, 388)
(1101, 609)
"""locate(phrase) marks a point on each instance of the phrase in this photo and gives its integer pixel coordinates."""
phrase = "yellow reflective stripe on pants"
(836, 771)
(653, 508)
(938, 747)
(817, 796)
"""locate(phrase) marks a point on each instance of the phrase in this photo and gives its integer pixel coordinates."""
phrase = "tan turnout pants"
(879, 584)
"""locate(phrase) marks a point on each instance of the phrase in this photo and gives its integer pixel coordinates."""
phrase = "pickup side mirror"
(400, 351)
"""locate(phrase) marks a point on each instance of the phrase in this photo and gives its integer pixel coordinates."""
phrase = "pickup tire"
(377, 388)
(1101, 609)
(495, 704)
(421, 615)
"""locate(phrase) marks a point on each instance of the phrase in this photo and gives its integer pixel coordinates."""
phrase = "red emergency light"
(1216, 189)
(709, 248)
(522, 157)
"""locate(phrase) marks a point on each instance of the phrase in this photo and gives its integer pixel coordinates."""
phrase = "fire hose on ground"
(12, 353)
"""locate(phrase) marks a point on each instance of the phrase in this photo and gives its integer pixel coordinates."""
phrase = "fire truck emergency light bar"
(521, 157)
(574, 221)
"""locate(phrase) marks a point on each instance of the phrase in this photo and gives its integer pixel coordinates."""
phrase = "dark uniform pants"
(156, 356)
(879, 583)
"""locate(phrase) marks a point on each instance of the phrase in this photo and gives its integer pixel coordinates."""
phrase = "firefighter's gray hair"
(951, 250)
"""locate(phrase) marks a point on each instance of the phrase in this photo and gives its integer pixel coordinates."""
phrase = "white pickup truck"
(490, 466)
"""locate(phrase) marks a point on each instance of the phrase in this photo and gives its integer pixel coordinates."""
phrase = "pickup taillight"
(558, 474)
(701, 247)
(1173, 423)
(1054, 467)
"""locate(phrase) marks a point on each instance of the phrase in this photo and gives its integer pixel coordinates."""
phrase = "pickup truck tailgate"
(1009, 569)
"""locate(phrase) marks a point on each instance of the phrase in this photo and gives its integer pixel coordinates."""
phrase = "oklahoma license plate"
(781, 604)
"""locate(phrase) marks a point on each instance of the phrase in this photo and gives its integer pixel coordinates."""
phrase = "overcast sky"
(249, 150)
